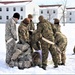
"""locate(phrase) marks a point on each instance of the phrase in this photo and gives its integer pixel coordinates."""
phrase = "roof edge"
(50, 5)
(9, 2)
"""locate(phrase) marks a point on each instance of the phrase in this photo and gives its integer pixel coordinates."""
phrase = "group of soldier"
(47, 37)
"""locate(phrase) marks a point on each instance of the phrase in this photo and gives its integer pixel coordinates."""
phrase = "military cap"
(30, 16)
(16, 15)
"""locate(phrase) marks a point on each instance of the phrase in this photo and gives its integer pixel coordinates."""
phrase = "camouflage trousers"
(10, 49)
(37, 58)
(25, 59)
(45, 48)
(22, 57)
(62, 55)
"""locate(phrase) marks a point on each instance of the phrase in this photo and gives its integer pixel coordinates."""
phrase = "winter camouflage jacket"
(60, 39)
(45, 29)
(31, 26)
(57, 28)
(23, 33)
(10, 30)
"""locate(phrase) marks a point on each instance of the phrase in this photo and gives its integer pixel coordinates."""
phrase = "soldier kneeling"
(22, 57)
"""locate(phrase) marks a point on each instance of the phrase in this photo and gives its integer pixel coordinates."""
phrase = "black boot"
(22, 68)
(44, 66)
(62, 63)
(40, 65)
(56, 66)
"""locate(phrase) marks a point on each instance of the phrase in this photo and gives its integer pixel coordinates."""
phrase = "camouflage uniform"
(46, 30)
(35, 42)
(25, 58)
(10, 38)
(31, 26)
(23, 33)
(36, 46)
(56, 28)
(22, 57)
(37, 59)
(61, 42)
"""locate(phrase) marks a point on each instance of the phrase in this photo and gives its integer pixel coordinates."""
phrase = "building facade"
(7, 9)
(52, 11)
(70, 16)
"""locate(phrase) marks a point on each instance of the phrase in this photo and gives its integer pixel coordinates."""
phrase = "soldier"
(57, 25)
(35, 44)
(31, 24)
(61, 42)
(22, 57)
(10, 36)
(44, 29)
(25, 58)
(31, 27)
(23, 32)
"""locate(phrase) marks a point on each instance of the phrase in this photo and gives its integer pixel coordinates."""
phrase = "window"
(0, 9)
(21, 17)
(41, 11)
(70, 19)
(14, 9)
(7, 17)
(0, 17)
(47, 11)
(7, 9)
(53, 11)
(70, 13)
(21, 8)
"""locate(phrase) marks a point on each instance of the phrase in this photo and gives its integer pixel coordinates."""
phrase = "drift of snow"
(69, 68)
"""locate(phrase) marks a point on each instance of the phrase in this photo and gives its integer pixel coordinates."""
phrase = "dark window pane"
(21, 8)
(54, 11)
(7, 17)
(7, 9)
(70, 13)
(14, 9)
(0, 9)
(48, 11)
(21, 17)
(70, 19)
(41, 12)
(0, 17)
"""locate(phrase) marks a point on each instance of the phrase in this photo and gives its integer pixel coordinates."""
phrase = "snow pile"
(69, 68)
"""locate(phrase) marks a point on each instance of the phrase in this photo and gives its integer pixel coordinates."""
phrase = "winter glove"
(30, 32)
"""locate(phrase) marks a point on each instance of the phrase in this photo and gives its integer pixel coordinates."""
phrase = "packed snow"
(69, 68)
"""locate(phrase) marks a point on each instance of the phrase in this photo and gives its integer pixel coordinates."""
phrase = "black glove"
(30, 32)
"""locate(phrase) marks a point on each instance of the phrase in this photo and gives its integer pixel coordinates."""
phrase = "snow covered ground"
(69, 68)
